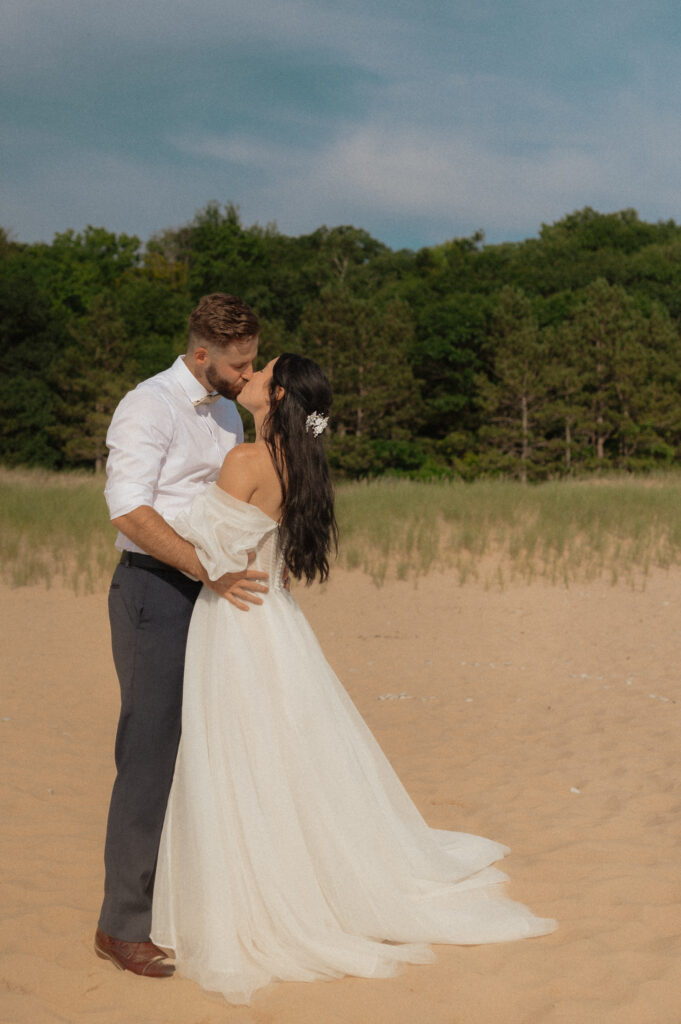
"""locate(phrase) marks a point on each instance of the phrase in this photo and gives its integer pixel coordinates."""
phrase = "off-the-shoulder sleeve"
(222, 529)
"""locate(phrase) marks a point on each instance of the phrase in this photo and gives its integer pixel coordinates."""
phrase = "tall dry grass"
(497, 530)
(54, 528)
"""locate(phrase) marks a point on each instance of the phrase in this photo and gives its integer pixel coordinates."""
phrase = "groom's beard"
(223, 386)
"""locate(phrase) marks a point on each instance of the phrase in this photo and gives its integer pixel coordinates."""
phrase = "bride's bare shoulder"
(241, 471)
(245, 468)
(242, 454)
(249, 457)
(249, 474)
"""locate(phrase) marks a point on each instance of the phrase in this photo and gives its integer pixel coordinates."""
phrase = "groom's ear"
(199, 354)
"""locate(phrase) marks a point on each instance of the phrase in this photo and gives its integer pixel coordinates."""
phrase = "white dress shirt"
(164, 449)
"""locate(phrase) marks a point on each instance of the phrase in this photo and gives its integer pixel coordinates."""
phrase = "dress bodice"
(269, 558)
(224, 530)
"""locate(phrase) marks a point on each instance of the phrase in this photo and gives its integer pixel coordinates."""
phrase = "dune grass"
(499, 530)
(54, 528)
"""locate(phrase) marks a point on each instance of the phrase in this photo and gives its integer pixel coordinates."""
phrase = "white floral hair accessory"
(317, 422)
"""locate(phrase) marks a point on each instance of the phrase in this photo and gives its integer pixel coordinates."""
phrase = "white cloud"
(382, 171)
(239, 149)
(440, 135)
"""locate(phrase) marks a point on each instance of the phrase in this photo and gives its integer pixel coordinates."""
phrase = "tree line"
(557, 355)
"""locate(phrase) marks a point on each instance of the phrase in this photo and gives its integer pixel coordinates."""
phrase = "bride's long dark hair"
(308, 524)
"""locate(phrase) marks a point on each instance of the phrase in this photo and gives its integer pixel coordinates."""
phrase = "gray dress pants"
(149, 611)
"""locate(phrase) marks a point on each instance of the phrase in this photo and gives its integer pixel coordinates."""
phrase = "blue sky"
(418, 121)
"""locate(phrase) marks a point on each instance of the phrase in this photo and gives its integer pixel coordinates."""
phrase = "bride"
(290, 849)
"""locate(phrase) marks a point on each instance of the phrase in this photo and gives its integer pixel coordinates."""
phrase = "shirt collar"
(193, 388)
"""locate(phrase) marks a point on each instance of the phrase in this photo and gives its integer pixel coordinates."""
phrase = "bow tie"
(206, 400)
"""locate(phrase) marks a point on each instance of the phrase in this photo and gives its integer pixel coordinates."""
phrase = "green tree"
(154, 310)
(78, 267)
(628, 369)
(514, 396)
(218, 252)
(566, 379)
(659, 412)
(92, 375)
(655, 272)
(364, 351)
(607, 333)
(445, 354)
(32, 335)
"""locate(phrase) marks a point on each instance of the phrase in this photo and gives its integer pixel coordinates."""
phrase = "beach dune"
(542, 716)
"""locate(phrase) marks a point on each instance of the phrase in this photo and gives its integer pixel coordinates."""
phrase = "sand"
(542, 716)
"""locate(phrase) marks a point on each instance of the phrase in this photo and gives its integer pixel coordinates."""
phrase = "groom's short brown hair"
(220, 319)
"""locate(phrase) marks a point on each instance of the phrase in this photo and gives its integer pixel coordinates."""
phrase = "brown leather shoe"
(139, 957)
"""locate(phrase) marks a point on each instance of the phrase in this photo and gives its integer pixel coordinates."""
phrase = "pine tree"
(364, 351)
(566, 378)
(513, 398)
(608, 333)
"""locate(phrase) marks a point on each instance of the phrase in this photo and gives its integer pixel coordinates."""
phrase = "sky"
(418, 121)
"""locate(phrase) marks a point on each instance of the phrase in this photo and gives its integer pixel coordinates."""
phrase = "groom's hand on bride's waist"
(241, 588)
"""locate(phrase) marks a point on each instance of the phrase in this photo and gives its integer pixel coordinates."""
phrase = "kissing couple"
(276, 843)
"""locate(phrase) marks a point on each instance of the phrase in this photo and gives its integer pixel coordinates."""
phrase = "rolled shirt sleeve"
(138, 439)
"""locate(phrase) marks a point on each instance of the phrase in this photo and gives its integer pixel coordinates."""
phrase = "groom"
(167, 441)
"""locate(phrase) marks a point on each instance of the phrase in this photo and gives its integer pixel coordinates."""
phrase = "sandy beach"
(542, 716)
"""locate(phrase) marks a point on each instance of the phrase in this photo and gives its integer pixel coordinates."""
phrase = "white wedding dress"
(290, 849)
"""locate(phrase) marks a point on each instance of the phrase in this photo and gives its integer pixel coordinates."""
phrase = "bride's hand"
(240, 587)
